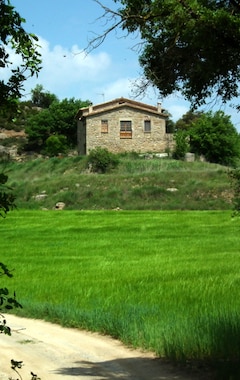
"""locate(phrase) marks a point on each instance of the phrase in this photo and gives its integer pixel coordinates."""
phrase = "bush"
(56, 144)
(100, 160)
(182, 146)
(215, 137)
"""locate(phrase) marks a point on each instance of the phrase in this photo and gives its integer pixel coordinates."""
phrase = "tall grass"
(136, 184)
(163, 281)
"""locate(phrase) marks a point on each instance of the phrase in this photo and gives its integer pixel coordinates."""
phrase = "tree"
(186, 45)
(64, 113)
(38, 127)
(42, 98)
(15, 38)
(215, 137)
(185, 122)
(58, 118)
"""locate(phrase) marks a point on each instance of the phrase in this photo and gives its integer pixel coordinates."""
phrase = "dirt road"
(54, 352)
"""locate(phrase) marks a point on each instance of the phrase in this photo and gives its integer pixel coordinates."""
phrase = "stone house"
(123, 125)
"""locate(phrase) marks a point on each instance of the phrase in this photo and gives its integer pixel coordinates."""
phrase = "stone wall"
(155, 141)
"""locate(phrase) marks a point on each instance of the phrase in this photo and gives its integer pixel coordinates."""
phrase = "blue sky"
(64, 28)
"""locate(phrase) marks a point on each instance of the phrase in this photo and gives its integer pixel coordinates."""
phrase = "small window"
(147, 125)
(125, 129)
(125, 125)
(104, 126)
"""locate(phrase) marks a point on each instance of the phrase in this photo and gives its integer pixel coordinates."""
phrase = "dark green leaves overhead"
(14, 38)
(191, 46)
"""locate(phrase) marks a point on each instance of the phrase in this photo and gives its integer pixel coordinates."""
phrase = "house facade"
(123, 125)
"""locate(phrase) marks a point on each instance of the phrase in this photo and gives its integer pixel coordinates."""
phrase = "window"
(104, 126)
(125, 125)
(147, 125)
(125, 129)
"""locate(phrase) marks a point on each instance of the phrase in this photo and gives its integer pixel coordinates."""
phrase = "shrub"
(181, 146)
(100, 160)
(56, 144)
(215, 137)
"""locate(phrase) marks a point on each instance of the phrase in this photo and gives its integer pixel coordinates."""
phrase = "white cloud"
(118, 88)
(64, 71)
(60, 64)
(62, 68)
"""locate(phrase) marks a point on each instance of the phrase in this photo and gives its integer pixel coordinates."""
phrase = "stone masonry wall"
(155, 141)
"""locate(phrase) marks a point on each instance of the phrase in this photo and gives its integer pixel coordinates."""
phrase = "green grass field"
(164, 281)
(136, 184)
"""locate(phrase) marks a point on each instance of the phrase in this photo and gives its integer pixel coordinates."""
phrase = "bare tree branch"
(109, 16)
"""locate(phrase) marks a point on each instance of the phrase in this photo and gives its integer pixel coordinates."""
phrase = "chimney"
(159, 107)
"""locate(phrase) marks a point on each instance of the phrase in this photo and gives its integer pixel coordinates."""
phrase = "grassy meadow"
(166, 281)
(136, 184)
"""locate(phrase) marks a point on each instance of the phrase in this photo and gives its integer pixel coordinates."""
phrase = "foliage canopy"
(188, 46)
(58, 118)
(185, 122)
(214, 136)
(209, 134)
(42, 98)
(13, 38)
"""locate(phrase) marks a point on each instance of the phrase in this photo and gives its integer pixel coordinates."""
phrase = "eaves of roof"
(117, 104)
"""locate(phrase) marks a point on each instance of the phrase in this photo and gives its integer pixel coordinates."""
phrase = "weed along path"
(54, 352)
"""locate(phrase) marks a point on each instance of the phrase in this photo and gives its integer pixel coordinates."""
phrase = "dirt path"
(54, 352)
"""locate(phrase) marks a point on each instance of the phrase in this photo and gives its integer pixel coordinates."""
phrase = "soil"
(55, 352)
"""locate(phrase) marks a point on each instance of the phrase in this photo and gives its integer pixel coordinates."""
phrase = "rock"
(190, 157)
(39, 197)
(64, 189)
(4, 154)
(60, 206)
(161, 155)
(13, 151)
(3, 136)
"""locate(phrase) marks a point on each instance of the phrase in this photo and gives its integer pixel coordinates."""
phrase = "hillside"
(137, 183)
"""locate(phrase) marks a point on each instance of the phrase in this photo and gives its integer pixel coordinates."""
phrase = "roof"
(120, 103)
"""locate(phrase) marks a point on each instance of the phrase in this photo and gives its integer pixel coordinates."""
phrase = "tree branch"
(109, 15)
